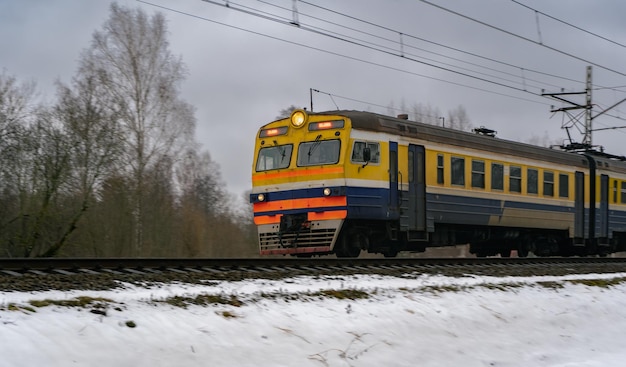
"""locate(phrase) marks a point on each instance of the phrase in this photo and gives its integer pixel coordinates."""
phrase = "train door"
(417, 193)
(579, 208)
(603, 231)
(393, 209)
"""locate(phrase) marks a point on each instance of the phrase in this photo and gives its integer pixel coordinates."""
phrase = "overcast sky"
(243, 69)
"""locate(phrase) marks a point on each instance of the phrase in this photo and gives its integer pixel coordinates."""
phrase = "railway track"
(109, 273)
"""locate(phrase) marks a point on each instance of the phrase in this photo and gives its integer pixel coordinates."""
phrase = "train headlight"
(260, 197)
(327, 191)
(298, 118)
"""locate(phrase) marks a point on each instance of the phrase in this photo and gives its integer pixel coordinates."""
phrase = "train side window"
(359, 147)
(458, 171)
(623, 192)
(497, 176)
(532, 183)
(563, 185)
(615, 191)
(478, 174)
(515, 179)
(440, 168)
(548, 183)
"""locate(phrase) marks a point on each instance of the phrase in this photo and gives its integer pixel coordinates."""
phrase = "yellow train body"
(346, 181)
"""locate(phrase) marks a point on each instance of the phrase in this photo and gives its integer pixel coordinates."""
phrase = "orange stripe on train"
(301, 172)
(327, 215)
(267, 219)
(332, 214)
(305, 203)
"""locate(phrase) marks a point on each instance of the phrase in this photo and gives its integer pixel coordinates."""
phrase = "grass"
(202, 300)
(100, 305)
(342, 294)
(602, 283)
(82, 301)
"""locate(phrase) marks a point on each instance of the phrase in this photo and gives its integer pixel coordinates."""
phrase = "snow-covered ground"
(419, 320)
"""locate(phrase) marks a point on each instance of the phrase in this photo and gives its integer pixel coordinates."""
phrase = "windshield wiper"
(314, 146)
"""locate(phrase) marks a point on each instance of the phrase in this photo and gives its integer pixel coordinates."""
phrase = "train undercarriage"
(384, 238)
(348, 238)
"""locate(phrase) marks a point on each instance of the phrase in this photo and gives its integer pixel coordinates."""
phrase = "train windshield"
(318, 152)
(275, 157)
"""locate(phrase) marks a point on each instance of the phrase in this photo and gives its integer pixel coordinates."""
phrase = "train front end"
(298, 184)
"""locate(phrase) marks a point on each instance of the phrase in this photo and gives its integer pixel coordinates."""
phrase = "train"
(345, 182)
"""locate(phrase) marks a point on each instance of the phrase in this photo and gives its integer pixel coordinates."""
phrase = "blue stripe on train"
(373, 203)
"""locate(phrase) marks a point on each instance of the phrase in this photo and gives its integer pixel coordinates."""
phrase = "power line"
(357, 42)
(521, 37)
(273, 17)
(441, 45)
(569, 24)
(276, 18)
(381, 48)
(521, 69)
(352, 57)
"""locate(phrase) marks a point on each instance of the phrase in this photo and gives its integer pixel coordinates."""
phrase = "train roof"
(402, 127)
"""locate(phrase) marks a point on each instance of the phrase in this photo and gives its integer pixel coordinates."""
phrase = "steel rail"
(69, 264)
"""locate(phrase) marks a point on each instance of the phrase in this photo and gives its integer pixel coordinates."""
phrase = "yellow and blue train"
(343, 182)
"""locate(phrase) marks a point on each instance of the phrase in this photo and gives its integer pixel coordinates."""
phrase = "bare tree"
(88, 137)
(286, 112)
(458, 119)
(426, 114)
(16, 113)
(130, 58)
(15, 104)
(542, 140)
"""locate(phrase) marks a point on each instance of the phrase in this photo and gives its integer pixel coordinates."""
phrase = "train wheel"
(390, 253)
(505, 253)
(348, 247)
(349, 252)
(522, 251)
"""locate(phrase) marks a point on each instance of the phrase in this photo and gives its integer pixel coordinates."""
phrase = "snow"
(417, 320)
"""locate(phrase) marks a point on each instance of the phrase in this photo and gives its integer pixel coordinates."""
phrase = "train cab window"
(532, 182)
(318, 152)
(359, 147)
(515, 179)
(497, 176)
(458, 171)
(478, 174)
(274, 157)
(548, 183)
(440, 168)
(623, 192)
(563, 185)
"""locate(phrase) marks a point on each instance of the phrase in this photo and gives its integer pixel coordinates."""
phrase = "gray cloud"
(239, 80)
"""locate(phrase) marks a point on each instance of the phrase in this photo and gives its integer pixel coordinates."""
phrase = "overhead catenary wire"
(355, 58)
(273, 17)
(265, 15)
(442, 45)
(569, 24)
(522, 37)
(402, 46)
(331, 95)
(405, 35)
